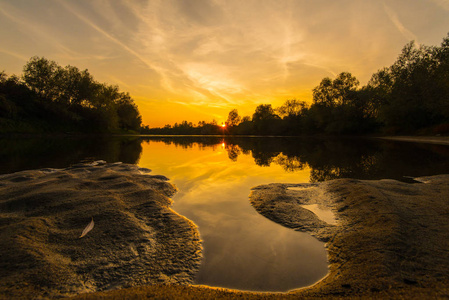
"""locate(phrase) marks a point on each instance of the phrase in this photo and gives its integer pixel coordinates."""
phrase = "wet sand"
(136, 240)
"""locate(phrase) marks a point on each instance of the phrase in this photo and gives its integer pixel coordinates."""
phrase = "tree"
(264, 112)
(128, 114)
(291, 108)
(66, 98)
(233, 118)
(79, 86)
(336, 92)
(412, 93)
(43, 77)
(265, 120)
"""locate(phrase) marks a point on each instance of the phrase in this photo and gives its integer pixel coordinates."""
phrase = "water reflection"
(17, 154)
(361, 158)
(327, 158)
(242, 249)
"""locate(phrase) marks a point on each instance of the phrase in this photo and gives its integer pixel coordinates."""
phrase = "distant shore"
(440, 140)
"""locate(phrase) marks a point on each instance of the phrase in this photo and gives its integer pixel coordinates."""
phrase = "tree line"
(51, 98)
(410, 96)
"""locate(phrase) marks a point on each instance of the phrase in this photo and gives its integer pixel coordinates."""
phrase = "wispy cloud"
(13, 54)
(33, 30)
(215, 55)
(106, 34)
(408, 35)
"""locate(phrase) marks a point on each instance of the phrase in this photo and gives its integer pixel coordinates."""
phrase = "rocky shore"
(136, 239)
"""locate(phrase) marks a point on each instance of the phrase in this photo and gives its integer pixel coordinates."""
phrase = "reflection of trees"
(34, 153)
(348, 158)
(233, 151)
(290, 164)
(262, 159)
(325, 173)
(331, 158)
(187, 142)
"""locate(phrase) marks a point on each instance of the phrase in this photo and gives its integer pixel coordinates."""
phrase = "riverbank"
(136, 239)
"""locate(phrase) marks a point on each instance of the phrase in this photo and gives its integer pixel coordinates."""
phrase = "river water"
(242, 249)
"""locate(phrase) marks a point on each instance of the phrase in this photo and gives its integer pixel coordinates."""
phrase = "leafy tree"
(264, 112)
(413, 92)
(233, 118)
(49, 97)
(339, 91)
(291, 108)
(265, 120)
(128, 113)
(43, 77)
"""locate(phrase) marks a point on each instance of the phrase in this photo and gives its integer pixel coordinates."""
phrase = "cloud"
(35, 31)
(218, 54)
(13, 54)
(219, 49)
(107, 35)
(407, 34)
(442, 3)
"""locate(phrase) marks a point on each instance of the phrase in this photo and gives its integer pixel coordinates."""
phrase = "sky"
(196, 60)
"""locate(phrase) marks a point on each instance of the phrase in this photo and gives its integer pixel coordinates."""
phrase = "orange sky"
(196, 60)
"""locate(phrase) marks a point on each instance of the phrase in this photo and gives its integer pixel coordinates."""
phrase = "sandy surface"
(136, 240)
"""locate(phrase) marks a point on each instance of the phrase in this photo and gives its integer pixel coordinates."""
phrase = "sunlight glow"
(200, 60)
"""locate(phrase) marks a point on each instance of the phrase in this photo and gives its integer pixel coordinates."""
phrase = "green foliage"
(51, 98)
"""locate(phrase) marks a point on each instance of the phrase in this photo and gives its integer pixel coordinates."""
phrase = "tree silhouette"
(51, 98)
(233, 118)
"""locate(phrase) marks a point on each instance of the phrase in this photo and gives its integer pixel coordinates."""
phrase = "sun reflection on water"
(242, 249)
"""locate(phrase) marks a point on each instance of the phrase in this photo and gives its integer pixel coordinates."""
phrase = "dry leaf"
(88, 228)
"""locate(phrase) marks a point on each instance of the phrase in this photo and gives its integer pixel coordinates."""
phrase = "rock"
(137, 239)
(391, 237)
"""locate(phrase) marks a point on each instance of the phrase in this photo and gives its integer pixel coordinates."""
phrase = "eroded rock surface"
(391, 238)
(137, 239)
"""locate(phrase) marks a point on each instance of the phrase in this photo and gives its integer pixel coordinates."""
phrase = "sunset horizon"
(196, 61)
(224, 149)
